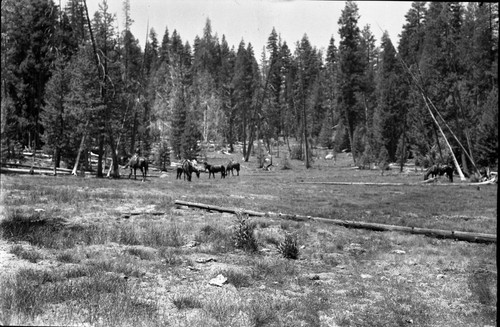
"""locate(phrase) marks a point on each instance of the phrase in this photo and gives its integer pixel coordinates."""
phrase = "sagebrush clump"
(289, 248)
(243, 235)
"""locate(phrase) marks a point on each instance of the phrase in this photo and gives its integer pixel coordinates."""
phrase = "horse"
(432, 171)
(215, 169)
(448, 171)
(180, 170)
(188, 168)
(438, 170)
(138, 162)
(233, 165)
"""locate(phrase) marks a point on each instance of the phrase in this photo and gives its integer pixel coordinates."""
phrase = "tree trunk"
(100, 154)
(403, 149)
(437, 141)
(114, 156)
(134, 132)
(462, 177)
(57, 159)
(308, 164)
(80, 149)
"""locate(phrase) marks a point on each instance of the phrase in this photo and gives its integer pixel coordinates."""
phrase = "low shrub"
(68, 257)
(243, 235)
(141, 253)
(236, 278)
(186, 301)
(32, 255)
(220, 238)
(289, 248)
(171, 256)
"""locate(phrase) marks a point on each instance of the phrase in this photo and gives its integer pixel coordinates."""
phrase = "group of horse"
(188, 167)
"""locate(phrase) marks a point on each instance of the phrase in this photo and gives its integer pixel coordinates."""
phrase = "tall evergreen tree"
(28, 36)
(351, 71)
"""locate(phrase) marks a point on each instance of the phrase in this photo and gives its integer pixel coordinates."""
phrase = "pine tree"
(389, 116)
(28, 36)
(351, 71)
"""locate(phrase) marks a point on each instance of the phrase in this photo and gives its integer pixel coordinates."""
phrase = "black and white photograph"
(248, 163)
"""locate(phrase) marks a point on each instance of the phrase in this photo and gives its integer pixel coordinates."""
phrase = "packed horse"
(187, 168)
(212, 169)
(137, 162)
(233, 165)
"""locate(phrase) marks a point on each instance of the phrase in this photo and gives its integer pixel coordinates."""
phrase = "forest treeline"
(73, 83)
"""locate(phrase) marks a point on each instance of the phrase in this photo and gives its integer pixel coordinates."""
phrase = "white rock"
(218, 281)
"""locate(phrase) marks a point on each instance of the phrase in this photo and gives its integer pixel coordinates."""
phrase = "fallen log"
(439, 233)
(138, 213)
(36, 170)
(423, 183)
(219, 209)
(358, 183)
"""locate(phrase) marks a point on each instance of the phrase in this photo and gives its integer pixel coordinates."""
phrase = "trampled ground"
(71, 253)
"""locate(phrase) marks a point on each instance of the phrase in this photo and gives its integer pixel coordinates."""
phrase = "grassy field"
(71, 255)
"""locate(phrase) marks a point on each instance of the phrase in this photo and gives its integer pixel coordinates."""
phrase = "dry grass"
(75, 260)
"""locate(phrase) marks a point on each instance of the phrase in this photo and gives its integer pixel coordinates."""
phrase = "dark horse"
(436, 170)
(433, 171)
(215, 169)
(188, 168)
(233, 165)
(138, 162)
(180, 170)
(448, 171)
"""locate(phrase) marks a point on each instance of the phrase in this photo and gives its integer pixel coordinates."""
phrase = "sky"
(253, 20)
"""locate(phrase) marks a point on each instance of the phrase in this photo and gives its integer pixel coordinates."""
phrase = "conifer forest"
(72, 83)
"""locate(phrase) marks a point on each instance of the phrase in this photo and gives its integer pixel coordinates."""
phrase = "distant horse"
(180, 170)
(138, 162)
(188, 168)
(215, 169)
(233, 165)
(448, 171)
(438, 170)
(433, 171)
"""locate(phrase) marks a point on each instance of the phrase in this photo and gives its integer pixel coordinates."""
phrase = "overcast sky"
(252, 20)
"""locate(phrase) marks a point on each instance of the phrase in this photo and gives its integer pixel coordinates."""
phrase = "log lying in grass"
(219, 209)
(426, 182)
(152, 213)
(36, 170)
(439, 233)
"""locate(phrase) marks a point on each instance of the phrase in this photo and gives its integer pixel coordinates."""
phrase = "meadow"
(103, 252)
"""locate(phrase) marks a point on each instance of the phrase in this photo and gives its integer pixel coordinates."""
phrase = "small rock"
(39, 210)
(193, 268)
(364, 276)
(218, 281)
(191, 244)
(398, 251)
(340, 267)
(303, 247)
(440, 276)
(410, 321)
(313, 277)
